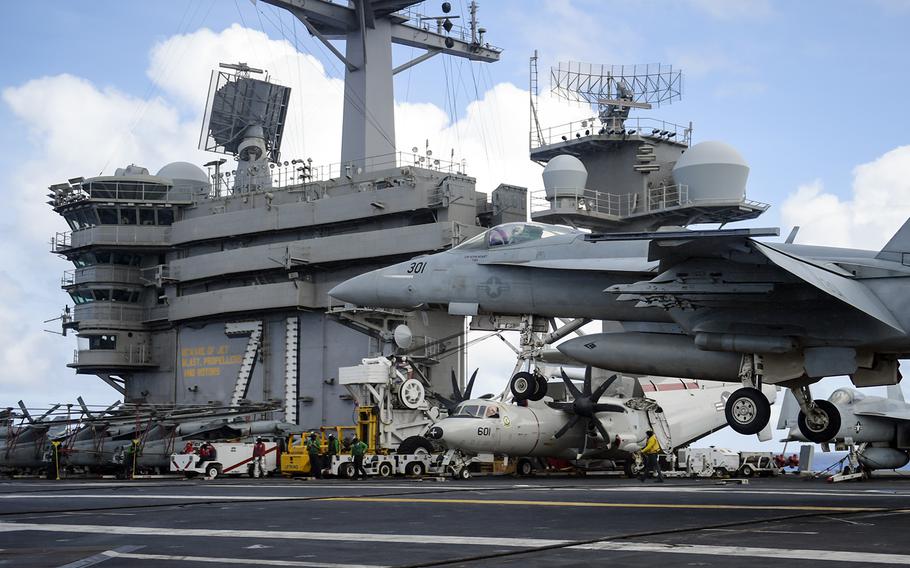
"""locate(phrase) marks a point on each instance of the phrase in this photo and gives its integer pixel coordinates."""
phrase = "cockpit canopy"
(509, 234)
(845, 396)
(475, 409)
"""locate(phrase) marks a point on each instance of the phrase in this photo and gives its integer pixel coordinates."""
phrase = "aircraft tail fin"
(899, 244)
(895, 393)
(788, 412)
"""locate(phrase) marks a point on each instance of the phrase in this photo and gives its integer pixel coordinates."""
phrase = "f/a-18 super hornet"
(874, 429)
(702, 304)
(605, 420)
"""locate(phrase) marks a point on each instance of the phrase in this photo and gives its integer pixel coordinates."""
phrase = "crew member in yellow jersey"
(651, 453)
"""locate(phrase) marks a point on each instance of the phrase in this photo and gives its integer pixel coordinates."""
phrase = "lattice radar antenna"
(613, 90)
(245, 117)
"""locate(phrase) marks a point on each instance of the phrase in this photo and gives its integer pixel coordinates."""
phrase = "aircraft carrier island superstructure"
(210, 287)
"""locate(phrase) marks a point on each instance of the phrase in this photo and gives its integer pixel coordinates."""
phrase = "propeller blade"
(449, 404)
(564, 406)
(456, 392)
(470, 387)
(606, 407)
(567, 426)
(569, 385)
(600, 428)
(587, 383)
(603, 388)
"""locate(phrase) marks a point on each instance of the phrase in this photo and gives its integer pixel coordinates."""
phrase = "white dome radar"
(713, 171)
(184, 171)
(564, 176)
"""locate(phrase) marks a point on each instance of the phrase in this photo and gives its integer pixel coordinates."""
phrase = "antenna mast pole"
(369, 28)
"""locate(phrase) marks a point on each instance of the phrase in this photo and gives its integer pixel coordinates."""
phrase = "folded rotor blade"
(567, 426)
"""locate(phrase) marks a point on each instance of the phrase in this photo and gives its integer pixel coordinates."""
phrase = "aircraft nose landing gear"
(747, 410)
(528, 386)
(818, 420)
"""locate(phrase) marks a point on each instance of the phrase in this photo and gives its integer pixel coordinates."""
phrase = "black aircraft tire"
(827, 433)
(525, 468)
(747, 411)
(413, 444)
(540, 390)
(523, 386)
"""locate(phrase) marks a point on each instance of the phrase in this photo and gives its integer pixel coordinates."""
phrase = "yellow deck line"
(523, 503)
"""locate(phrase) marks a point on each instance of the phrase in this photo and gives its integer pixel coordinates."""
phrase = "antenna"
(240, 107)
(613, 90)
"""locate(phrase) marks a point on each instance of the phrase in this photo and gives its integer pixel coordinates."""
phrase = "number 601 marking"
(483, 431)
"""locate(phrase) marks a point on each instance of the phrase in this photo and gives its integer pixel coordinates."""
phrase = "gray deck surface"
(481, 522)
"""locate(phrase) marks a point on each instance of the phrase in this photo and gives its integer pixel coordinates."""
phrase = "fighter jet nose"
(360, 290)
(435, 433)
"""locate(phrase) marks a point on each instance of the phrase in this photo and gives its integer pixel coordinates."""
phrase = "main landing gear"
(748, 411)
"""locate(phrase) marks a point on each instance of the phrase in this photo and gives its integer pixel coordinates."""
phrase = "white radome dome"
(184, 171)
(712, 170)
(566, 175)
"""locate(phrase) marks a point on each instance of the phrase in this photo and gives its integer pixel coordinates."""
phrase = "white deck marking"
(271, 534)
(253, 561)
(863, 558)
(859, 557)
(156, 496)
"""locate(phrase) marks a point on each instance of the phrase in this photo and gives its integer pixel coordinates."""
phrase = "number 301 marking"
(416, 267)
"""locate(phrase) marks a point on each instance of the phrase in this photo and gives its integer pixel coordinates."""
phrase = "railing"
(101, 273)
(588, 201)
(134, 355)
(157, 313)
(668, 197)
(613, 128)
(109, 311)
(134, 191)
(433, 25)
(61, 242)
(659, 198)
(300, 172)
(149, 235)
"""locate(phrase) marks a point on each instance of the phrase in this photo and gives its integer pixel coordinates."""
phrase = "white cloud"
(735, 9)
(879, 204)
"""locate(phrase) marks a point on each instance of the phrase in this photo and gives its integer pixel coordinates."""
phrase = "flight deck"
(540, 521)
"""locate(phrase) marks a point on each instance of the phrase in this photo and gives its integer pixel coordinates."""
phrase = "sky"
(811, 93)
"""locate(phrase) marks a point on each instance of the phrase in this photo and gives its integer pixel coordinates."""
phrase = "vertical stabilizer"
(895, 393)
(788, 412)
(898, 245)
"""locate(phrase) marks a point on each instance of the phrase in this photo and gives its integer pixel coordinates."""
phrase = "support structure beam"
(415, 61)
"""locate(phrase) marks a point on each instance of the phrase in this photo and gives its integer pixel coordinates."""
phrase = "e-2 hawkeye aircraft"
(605, 421)
(712, 304)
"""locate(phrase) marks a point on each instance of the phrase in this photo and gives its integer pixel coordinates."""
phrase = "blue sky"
(807, 91)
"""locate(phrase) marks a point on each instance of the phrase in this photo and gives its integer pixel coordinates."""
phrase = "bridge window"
(102, 342)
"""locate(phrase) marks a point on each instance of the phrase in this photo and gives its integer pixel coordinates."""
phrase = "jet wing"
(897, 415)
(847, 290)
(674, 249)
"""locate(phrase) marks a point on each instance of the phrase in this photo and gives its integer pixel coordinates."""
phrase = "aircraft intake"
(661, 354)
